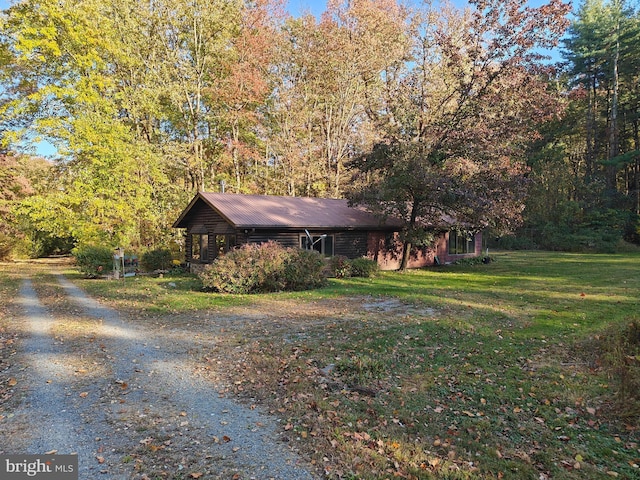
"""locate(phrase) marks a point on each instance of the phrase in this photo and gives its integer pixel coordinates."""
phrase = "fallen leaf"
(100, 459)
(226, 438)
(84, 394)
(196, 474)
(13, 382)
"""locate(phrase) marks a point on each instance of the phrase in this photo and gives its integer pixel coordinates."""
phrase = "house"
(218, 222)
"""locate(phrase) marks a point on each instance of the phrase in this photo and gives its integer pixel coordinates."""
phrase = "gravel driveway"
(124, 398)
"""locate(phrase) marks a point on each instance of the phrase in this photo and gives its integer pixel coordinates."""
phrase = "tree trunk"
(406, 254)
(613, 127)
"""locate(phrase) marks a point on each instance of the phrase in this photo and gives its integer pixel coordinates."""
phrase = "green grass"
(502, 370)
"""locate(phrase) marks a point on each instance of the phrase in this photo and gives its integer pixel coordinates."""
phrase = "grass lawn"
(525, 368)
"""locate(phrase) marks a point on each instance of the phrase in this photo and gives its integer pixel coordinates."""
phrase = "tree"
(243, 93)
(455, 122)
(603, 55)
(317, 117)
(20, 177)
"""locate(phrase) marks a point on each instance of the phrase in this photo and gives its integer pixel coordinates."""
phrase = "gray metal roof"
(265, 211)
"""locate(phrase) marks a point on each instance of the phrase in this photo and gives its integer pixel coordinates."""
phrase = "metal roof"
(266, 211)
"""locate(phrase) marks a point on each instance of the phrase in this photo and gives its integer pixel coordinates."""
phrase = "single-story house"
(218, 222)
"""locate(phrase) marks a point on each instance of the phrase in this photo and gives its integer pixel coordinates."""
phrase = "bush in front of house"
(303, 270)
(266, 267)
(93, 260)
(158, 259)
(341, 267)
(364, 267)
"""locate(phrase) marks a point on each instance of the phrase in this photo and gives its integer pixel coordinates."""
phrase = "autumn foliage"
(420, 110)
(266, 267)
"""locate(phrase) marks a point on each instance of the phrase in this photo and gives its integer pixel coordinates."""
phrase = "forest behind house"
(417, 110)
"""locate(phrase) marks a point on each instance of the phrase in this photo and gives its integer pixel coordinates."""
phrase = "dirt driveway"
(85, 379)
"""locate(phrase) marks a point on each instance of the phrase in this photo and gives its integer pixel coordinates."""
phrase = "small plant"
(93, 260)
(360, 369)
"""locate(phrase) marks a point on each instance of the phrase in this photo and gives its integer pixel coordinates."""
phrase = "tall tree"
(456, 121)
(603, 52)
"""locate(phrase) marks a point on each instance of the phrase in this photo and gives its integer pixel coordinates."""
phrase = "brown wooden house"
(218, 222)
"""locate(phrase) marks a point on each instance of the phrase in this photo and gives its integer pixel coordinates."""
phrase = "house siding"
(387, 251)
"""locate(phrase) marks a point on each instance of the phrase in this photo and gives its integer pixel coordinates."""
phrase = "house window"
(320, 243)
(461, 243)
(200, 247)
(224, 243)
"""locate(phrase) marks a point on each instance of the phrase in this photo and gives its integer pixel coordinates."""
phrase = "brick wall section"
(389, 257)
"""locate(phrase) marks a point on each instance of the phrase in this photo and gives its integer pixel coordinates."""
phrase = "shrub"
(93, 261)
(266, 267)
(471, 261)
(158, 259)
(6, 247)
(340, 266)
(364, 267)
(622, 357)
(303, 270)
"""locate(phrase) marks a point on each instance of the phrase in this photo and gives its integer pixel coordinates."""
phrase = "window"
(460, 243)
(224, 243)
(200, 247)
(320, 243)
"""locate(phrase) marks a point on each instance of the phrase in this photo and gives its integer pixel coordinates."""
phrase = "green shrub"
(471, 261)
(303, 270)
(340, 266)
(6, 247)
(266, 267)
(364, 267)
(94, 261)
(158, 259)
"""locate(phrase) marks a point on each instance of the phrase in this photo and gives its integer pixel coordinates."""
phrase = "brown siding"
(352, 244)
(286, 239)
(201, 215)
